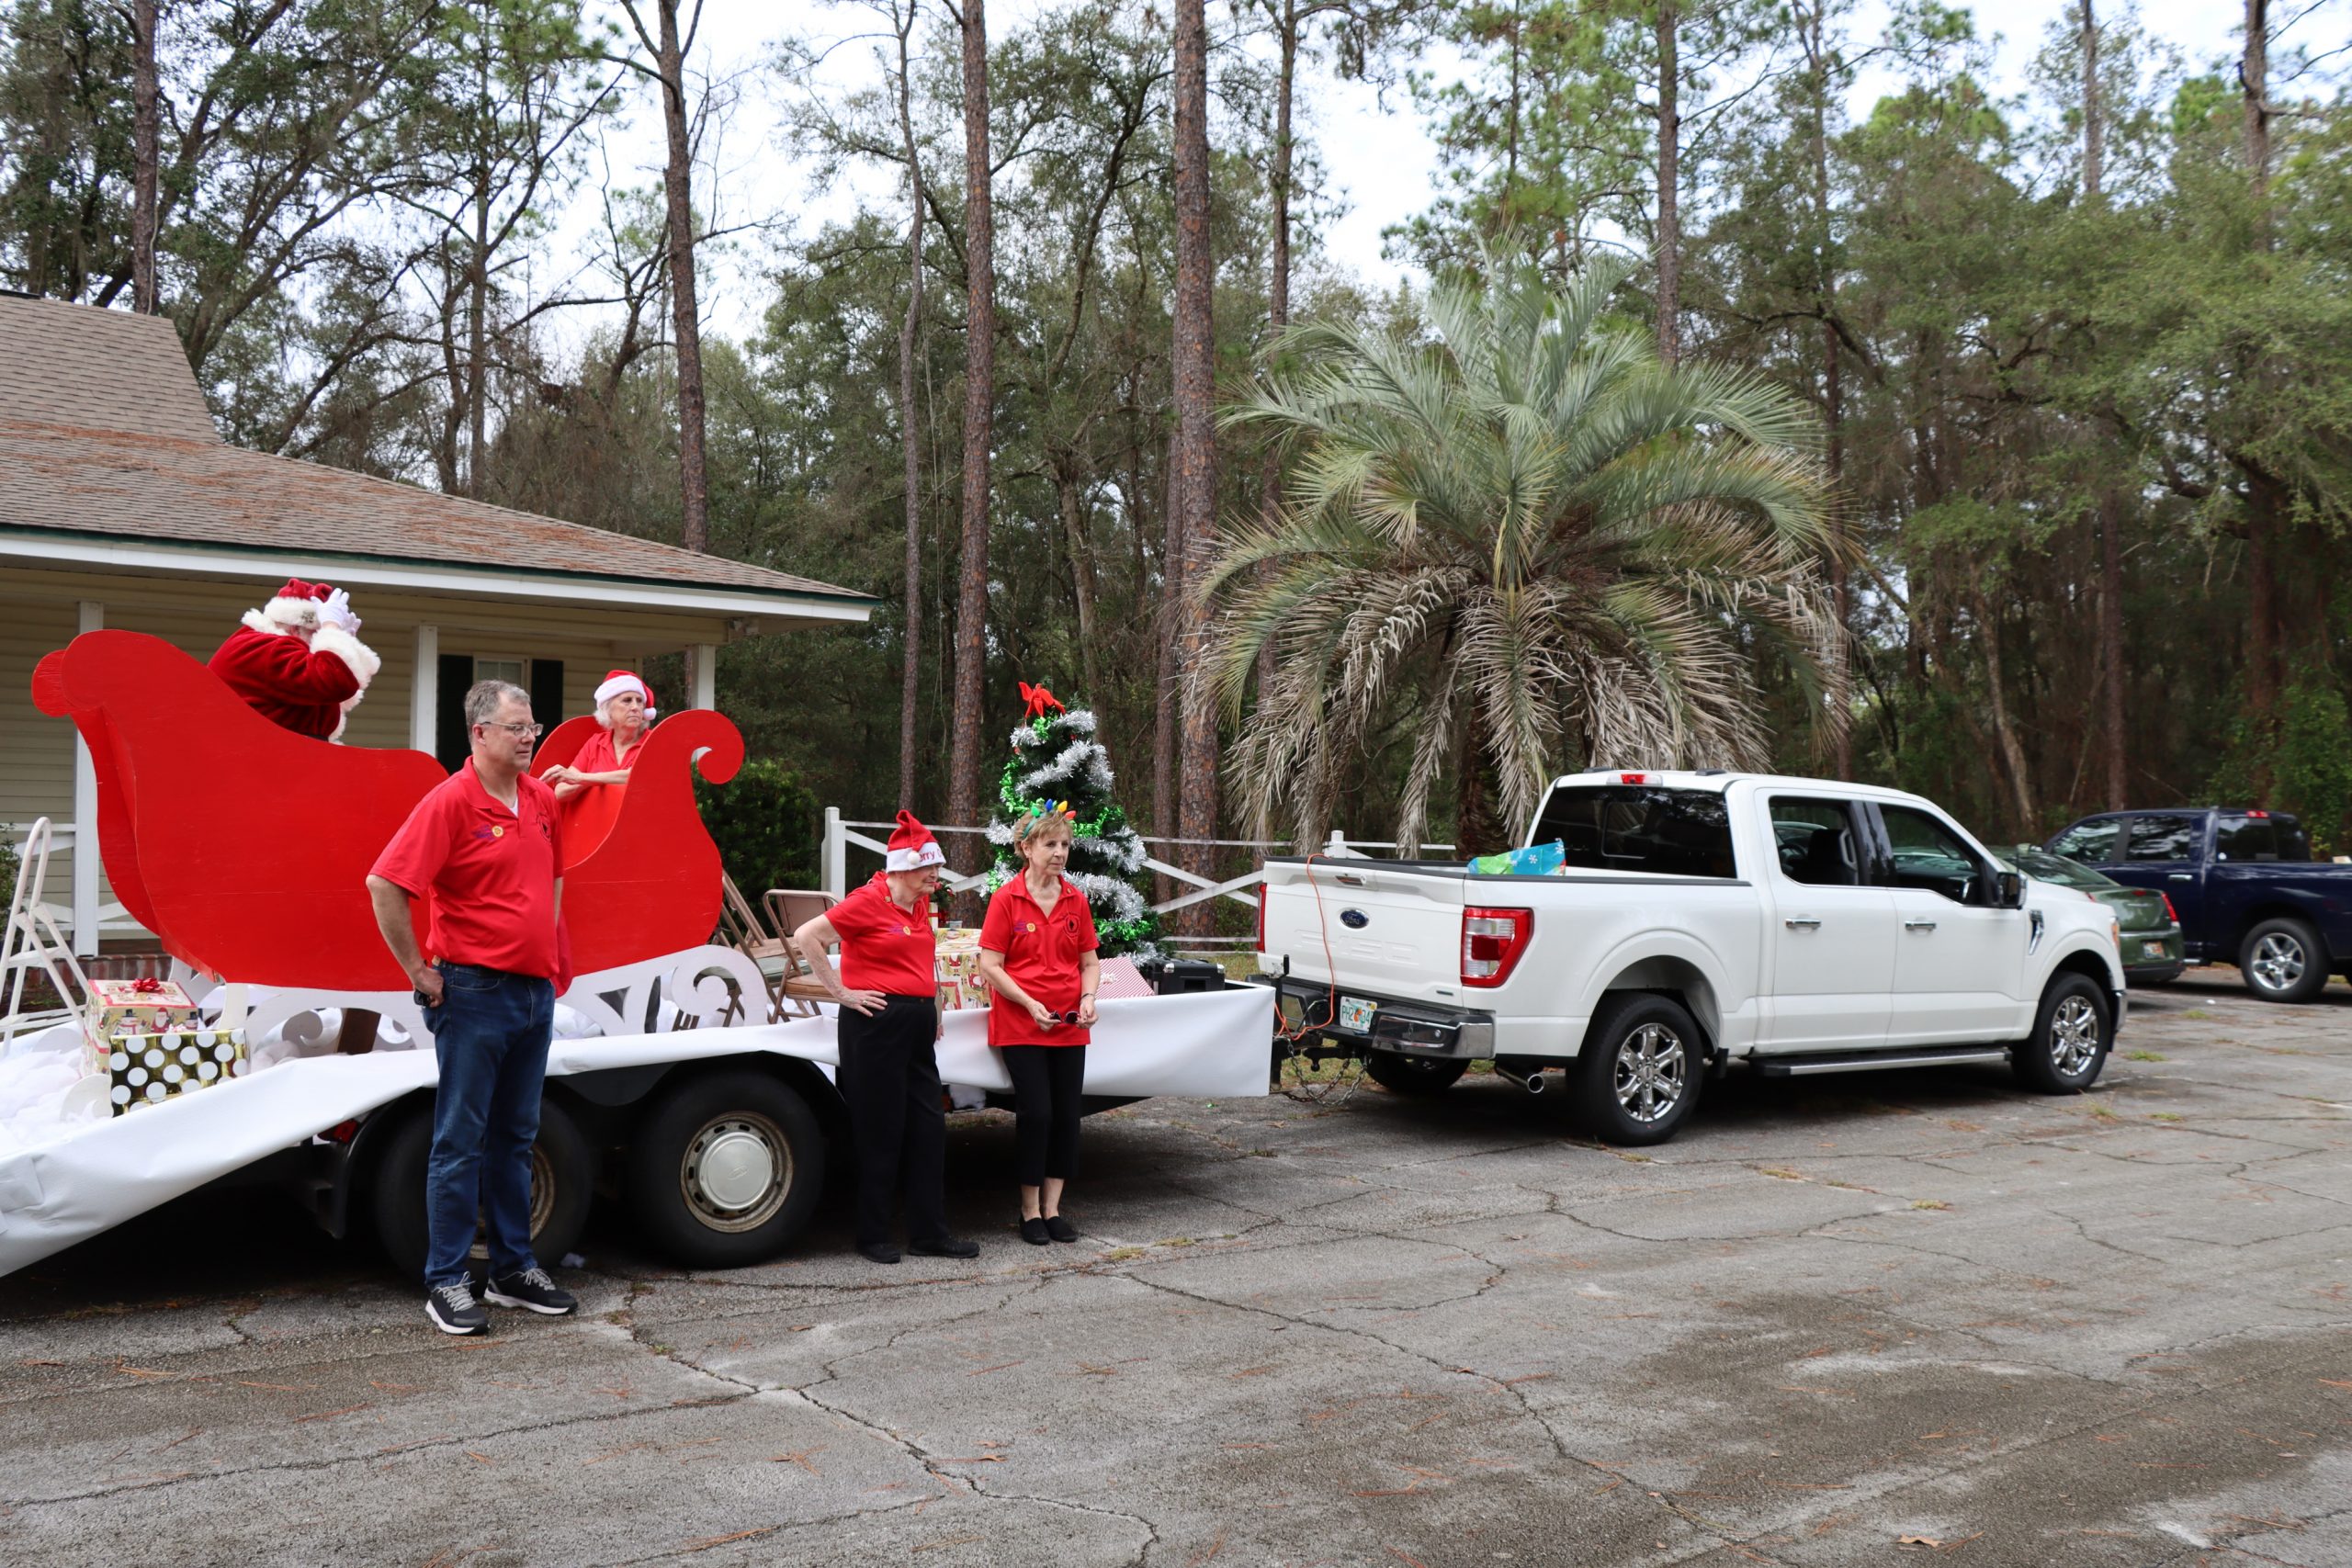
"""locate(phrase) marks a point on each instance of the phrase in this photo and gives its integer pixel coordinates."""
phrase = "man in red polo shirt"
(485, 853)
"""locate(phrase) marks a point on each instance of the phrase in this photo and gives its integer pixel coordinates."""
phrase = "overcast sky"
(1382, 168)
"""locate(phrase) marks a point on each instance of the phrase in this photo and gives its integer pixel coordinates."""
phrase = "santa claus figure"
(298, 660)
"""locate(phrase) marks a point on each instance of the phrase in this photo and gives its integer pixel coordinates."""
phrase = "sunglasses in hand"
(1055, 1017)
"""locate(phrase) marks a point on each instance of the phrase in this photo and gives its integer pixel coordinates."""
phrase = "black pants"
(1047, 1083)
(891, 1081)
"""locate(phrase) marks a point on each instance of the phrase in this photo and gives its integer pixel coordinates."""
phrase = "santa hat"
(621, 681)
(309, 605)
(912, 846)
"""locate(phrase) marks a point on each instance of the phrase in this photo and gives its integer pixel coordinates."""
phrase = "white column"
(704, 657)
(85, 819)
(425, 691)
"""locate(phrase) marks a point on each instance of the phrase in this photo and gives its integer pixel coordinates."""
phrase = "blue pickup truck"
(2242, 885)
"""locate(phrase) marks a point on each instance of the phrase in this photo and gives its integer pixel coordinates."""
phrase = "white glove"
(336, 611)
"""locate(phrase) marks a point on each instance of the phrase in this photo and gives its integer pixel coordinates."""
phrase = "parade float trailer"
(245, 850)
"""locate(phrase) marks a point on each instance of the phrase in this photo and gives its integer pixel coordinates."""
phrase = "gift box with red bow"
(120, 1009)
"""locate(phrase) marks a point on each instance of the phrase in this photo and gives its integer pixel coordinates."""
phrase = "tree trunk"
(2005, 732)
(1476, 829)
(146, 121)
(1270, 482)
(477, 283)
(2254, 77)
(1833, 393)
(910, 439)
(2094, 114)
(1165, 723)
(2111, 638)
(1071, 497)
(1194, 366)
(694, 478)
(979, 416)
(1669, 220)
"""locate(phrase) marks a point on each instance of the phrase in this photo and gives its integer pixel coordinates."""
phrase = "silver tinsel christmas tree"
(1057, 760)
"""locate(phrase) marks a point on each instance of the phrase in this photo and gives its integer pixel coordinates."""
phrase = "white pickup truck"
(1800, 925)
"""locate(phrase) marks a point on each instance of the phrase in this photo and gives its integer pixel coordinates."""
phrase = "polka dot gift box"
(151, 1044)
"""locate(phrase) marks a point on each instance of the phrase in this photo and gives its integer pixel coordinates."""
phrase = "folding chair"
(789, 908)
(34, 940)
(749, 934)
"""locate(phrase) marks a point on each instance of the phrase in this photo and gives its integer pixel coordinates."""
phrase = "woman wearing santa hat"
(588, 791)
(298, 660)
(889, 1020)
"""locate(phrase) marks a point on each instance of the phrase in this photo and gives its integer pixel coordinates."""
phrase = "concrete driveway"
(1894, 1318)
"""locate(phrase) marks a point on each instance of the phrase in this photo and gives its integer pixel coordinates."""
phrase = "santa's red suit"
(298, 660)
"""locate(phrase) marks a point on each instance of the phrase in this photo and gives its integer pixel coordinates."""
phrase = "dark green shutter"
(451, 681)
(547, 692)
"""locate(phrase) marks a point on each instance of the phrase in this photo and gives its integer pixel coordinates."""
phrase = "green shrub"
(764, 821)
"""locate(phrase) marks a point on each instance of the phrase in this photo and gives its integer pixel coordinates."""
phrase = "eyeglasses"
(533, 730)
(1070, 1017)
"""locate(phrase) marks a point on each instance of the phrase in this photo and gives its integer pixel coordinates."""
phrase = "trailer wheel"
(562, 1182)
(1414, 1075)
(725, 1169)
(1638, 1075)
(2284, 961)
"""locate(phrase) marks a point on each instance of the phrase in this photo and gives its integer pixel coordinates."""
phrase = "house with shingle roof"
(121, 506)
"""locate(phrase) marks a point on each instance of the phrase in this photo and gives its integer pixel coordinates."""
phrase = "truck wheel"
(562, 1182)
(1638, 1075)
(2070, 1039)
(2284, 961)
(1414, 1075)
(725, 1169)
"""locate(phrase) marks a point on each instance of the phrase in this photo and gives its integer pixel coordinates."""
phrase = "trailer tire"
(725, 1168)
(2283, 960)
(562, 1184)
(1638, 1075)
(1424, 1077)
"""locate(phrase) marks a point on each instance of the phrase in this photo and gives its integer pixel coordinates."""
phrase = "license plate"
(2152, 950)
(1355, 1014)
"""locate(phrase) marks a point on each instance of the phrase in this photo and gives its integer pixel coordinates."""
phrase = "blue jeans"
(490, 1035)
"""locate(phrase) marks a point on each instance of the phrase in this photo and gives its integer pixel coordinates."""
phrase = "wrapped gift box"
(960, 984)
(124, 1008)
(149, 1068)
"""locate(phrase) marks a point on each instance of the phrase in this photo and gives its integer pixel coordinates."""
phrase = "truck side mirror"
(2009, 890)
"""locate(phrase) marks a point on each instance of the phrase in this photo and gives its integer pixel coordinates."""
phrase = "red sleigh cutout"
(245, 847)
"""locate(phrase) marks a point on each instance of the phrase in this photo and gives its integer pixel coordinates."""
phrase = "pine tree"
(1057, 759)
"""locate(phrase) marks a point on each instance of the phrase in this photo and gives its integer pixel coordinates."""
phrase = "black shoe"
(454, 1310)
(533, 1292)
(878, 1251)
(1060, 1229)
(946, 1246)
(1032, 1231)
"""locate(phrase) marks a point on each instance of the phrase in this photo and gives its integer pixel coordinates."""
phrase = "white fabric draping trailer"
(58, 1192)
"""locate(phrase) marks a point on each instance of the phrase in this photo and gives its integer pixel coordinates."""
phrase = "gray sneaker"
(533, 1292)
(454, 1310)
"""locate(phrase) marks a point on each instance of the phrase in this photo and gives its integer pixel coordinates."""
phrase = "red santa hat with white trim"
(911, 847)
(311, 605)
(621, 681)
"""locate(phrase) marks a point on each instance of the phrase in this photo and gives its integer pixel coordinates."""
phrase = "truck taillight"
(1492, 941)
(1262, 891)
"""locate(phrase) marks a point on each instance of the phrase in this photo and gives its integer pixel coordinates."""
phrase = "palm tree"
(1553, 542)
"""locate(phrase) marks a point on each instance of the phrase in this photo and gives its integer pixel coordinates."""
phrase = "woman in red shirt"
(888, 992)
(588, 791)
(1038, 954)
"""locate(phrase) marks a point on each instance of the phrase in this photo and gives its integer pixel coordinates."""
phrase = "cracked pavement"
(1833, 1314)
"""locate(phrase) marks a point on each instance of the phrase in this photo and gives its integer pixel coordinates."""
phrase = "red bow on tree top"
(1039, 700)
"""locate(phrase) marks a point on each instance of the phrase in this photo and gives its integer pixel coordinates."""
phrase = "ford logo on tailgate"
(1354, 920)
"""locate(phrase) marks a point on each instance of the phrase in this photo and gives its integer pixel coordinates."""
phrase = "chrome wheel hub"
(2074, 1037)
(735, 1172)
(2278, 962)
(1652, 1071)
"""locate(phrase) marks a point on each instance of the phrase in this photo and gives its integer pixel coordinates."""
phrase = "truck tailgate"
(1392, 931)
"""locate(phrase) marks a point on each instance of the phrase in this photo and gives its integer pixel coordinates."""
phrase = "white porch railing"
(840, 833)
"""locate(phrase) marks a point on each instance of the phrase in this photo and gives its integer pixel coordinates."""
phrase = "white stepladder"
(36, 941)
